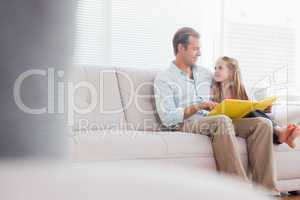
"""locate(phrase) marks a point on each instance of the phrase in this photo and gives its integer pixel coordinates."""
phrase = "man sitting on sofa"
(182, 102)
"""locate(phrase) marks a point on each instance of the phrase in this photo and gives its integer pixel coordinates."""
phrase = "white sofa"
(124, 125)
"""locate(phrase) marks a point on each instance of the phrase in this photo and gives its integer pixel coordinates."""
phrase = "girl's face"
(222, 72)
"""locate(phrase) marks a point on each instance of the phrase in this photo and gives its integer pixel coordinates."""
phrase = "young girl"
(227, 84)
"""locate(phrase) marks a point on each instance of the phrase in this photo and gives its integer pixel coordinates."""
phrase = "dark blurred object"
(34, 34)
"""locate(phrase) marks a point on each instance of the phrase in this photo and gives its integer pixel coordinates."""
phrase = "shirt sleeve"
(170, 115)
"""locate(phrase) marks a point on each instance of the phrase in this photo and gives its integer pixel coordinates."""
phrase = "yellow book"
(235, 108)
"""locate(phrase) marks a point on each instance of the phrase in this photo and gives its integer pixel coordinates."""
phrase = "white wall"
(278, 22)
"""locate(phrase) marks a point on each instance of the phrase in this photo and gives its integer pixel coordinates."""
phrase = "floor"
(291, 197)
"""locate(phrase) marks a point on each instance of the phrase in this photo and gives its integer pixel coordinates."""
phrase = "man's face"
(192, 52)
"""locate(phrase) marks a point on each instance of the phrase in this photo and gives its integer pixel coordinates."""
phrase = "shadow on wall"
(34, 34)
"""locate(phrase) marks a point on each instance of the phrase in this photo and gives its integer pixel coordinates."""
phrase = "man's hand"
(207, 105)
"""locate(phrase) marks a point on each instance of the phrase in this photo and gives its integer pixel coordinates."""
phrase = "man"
(182, 101)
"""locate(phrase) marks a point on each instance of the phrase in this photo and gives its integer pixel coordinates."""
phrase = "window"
(92, 38)
(137, 33)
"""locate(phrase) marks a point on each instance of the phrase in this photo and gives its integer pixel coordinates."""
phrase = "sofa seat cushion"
(112, 145)
(182, 143)
(103, 145)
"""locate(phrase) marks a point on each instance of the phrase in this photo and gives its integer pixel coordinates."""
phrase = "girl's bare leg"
(283, 133)
(293, 136)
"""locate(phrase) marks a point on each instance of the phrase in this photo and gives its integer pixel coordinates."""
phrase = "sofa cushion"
(136, 89)
(96, 99)
(181, 143)
(114, 145)
(110, 144)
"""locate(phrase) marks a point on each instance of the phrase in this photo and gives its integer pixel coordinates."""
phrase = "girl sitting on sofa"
(227, 84)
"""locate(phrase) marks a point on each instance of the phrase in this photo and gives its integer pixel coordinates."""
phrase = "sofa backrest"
(96, 99)
(137, 94)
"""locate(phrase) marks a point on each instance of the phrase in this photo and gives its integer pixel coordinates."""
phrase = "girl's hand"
(268, 109)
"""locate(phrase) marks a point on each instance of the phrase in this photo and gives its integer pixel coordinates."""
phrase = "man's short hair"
(182, 37)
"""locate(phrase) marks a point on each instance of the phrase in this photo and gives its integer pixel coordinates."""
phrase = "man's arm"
(169, 114)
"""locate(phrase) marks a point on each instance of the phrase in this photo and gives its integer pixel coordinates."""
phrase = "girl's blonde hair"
(236, 84)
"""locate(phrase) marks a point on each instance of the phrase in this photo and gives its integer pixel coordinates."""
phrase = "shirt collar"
(181, 73)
